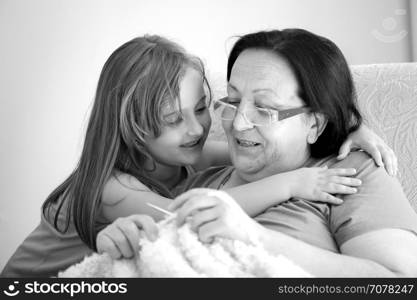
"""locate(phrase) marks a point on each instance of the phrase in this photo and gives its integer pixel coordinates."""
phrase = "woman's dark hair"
(324, 80)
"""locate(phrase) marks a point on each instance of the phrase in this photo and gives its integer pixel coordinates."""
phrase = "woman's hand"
(367, 140)
(213, 213)
(121, 238)
(317, 184)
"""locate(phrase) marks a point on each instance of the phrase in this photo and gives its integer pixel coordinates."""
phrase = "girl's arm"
(265, 190)
(364, 138)
(124, 195)
(315, 184)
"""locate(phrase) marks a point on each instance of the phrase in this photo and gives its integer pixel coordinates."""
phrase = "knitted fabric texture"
(177, 252)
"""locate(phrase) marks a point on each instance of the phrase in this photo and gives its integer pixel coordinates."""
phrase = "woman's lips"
(247, 143)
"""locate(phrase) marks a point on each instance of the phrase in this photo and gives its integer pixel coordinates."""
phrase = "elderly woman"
(291, 103)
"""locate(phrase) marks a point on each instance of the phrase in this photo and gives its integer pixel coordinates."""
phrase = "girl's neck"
(170, 176)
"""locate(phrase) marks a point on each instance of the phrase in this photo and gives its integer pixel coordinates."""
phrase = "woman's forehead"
(261, 69)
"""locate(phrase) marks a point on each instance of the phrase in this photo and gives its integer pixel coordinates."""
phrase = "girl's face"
(185, 132)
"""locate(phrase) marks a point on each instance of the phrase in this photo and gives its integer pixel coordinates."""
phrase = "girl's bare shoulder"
(119, 186)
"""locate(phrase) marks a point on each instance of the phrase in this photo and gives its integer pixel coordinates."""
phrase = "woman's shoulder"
(357, 159)
(119, 185)
(366, 168)
(360, 160)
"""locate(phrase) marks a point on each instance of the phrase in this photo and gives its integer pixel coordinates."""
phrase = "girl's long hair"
(136, 81)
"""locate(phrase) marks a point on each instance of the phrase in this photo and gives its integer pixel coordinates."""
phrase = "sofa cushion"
(387, 95)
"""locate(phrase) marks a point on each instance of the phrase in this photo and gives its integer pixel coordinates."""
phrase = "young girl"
(146, 133)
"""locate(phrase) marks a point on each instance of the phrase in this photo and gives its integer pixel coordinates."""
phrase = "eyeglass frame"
(279, 114)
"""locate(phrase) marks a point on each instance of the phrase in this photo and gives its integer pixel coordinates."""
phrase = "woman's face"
(184, 133)
(261, 79)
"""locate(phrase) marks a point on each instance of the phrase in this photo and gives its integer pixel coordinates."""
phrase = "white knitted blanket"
(177, 252)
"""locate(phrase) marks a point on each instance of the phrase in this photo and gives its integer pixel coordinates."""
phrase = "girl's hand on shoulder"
(318, 184)
(121, 238)
(365, 139)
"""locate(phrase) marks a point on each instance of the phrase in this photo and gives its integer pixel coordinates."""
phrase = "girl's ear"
(318, 124)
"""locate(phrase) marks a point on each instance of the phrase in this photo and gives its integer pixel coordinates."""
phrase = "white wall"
(413, 26)
(52, 51)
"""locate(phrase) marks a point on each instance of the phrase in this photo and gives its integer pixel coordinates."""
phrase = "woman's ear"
(318, 124)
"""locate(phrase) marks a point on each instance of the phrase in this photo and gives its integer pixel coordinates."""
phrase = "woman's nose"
(240, 123)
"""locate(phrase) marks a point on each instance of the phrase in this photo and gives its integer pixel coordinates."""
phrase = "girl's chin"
(191, 158)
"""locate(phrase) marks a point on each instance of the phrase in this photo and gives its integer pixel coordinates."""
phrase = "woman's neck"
(234, 180)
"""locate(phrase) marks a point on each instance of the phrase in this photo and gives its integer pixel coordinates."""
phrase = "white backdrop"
(52, 52)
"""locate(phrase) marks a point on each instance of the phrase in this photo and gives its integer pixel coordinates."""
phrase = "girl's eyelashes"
(175, 118)
(201, 105)
(201, 109)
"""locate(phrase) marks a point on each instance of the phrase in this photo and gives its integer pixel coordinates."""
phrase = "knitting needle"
(168, 213)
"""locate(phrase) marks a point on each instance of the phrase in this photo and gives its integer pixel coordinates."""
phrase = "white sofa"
(388, 100)
(387, 96)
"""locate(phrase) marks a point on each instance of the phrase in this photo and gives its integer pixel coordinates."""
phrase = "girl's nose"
(195, 128)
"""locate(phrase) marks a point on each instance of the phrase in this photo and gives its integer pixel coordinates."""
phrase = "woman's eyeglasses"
(256, 116)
